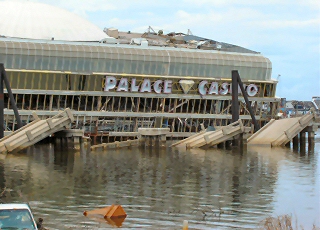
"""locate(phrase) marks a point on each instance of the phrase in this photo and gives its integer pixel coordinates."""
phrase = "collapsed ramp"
(208, 139)
(35, 131)
(280, 132)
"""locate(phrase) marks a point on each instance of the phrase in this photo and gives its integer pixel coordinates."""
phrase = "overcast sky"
(285, 31)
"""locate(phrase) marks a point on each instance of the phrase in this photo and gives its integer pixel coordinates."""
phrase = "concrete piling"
(153, 136)
(311, 137)
(228, 144)
(295, 141)
(76, 143)
(302, 137)
(288, 144)
(221, 145)
(302, 141)
(163, 139)
(154, 140)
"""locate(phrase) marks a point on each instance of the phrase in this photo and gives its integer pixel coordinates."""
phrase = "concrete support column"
(61, 142)
(288, 144)
(238, 141)
(311, 147)
(235, 141)
(1, 102)
(163, 140)
(153, 136)
(154, 140)
(302, 141)
(221, 145)
(241, 141)
(146, 141)
(142, 140)
(295, 141)
(228, 144)
(76, 143)
(84, 142)
(302, 137)
(311, 137)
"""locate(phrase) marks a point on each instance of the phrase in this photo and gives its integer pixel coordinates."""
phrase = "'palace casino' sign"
(165, 86)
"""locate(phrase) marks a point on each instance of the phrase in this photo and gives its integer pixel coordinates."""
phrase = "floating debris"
(114, 214)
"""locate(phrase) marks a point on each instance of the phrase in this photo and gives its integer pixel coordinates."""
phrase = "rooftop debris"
(173, 39)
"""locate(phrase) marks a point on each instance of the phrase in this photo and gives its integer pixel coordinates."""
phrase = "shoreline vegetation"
(282, 222)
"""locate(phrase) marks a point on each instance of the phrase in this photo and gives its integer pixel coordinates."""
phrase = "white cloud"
(81, 5)
(313, 4)
(120, 23)
(272, 24)
(221, 3)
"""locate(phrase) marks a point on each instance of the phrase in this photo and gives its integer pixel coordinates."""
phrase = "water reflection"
(159, 188)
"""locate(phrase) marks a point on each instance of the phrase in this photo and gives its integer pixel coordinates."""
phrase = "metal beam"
(1, 102)
(235, 96)
(12, 100)
(254, 121)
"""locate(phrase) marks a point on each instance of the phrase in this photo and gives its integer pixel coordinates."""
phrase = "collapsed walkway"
(210, 138)
(280, 132)
(35, 131)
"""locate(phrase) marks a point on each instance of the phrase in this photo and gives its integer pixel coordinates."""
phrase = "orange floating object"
(113, 211)
(115, 221)
(185, 225)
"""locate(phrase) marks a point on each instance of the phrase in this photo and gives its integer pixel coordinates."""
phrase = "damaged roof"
(178, 40)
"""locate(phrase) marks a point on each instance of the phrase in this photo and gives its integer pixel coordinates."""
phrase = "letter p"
(110, 83)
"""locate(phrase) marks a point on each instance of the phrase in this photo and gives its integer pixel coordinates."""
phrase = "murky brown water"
(159, 188)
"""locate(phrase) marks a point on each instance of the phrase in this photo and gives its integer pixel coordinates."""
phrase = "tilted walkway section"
(207, 139)
(35, 131)
(280, 132)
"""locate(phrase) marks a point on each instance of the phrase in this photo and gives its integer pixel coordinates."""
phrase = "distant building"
(316, 102)
(298, 108)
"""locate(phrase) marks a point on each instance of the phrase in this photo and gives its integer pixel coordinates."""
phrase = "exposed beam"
(148, 95)
(131, 114)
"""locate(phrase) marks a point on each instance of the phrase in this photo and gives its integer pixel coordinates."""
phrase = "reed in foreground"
(283, 222)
